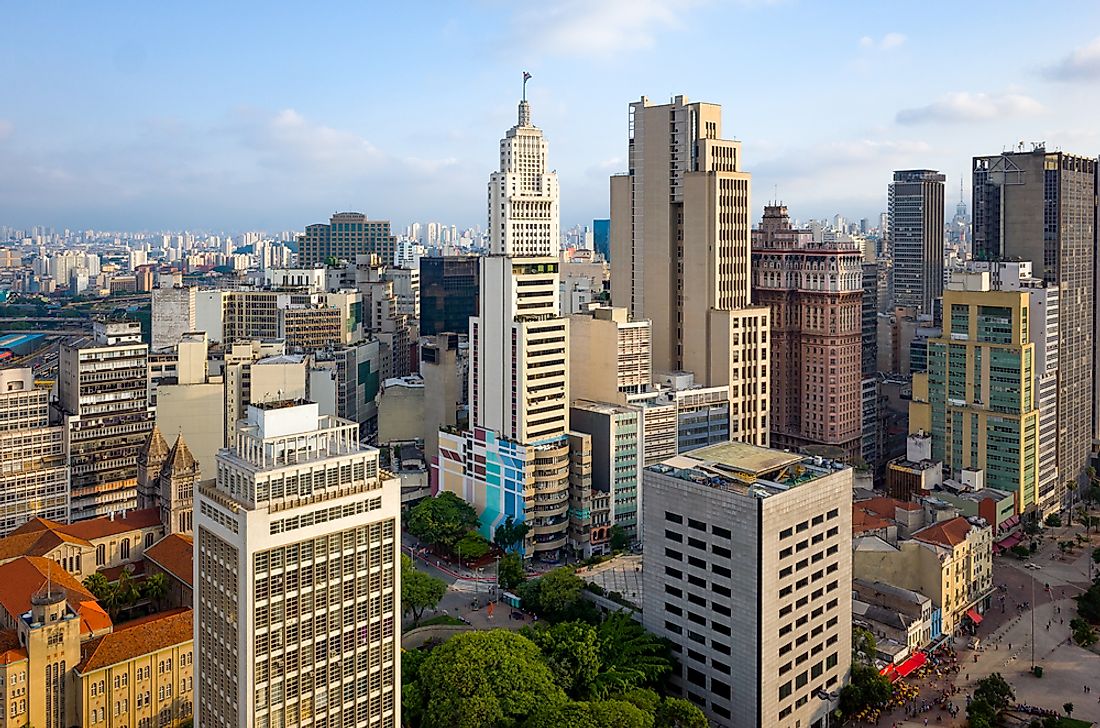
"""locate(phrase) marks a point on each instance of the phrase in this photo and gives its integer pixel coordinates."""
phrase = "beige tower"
(681, 242)
(149, 463)
(178, 479)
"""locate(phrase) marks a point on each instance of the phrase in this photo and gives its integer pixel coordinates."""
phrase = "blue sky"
(233, 116)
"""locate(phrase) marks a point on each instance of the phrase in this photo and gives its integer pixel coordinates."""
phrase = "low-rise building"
(894, 613)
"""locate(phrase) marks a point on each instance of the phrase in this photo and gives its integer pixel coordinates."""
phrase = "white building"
(298, 577)
(173, 315)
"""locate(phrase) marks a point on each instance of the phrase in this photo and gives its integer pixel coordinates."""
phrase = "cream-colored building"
(173, 315)
(951, 562)
(297, 577)
(401, 410)
(609, 355)
(681, 242)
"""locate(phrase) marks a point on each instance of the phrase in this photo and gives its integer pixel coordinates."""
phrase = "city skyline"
(147, 131)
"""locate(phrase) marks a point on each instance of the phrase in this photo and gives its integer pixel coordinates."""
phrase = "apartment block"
(747, 571)
(103, 396)
(617, 450)
(608, 355)
(173, 315)
(347, 235)
(34, 472)
(298, 576)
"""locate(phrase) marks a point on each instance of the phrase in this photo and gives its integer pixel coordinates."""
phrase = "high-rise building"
(609, 355)
(1041, 207)
(103, 396)
(35, 475)
(519, 359)
(983, 377)
(916, 237)
(173, 315)
(617, 450)
(298, 577)
(601, 237)
(815, 292)
(748, 573)
(680, 239)
(347, 235)
(448, 294)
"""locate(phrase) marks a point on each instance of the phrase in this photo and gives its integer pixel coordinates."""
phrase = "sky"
(271, 116)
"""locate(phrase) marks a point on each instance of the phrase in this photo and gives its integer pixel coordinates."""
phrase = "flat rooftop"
(746, 469)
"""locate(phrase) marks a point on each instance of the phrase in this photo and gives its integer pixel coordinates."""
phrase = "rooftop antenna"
(526, 78)
(961, 187)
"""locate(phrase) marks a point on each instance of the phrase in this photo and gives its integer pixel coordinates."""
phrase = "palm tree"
(98, 585)
(631, 656)
(154, 588)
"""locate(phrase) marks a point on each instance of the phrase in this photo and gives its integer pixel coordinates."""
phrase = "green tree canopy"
(419, 590)
(995, 692)
(866, 689)
(155, 587)
(443, 520)
(631, 656)
(556, 596)
(680, 713)
(485, 680)
(572, 651)
(598, 714)
(864, 645)
(472, 546)
(510, 534)
(619, 538)
(510, 573)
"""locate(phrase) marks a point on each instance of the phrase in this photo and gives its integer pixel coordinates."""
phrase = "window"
(100, 555)
(673, 517)
(124, 549)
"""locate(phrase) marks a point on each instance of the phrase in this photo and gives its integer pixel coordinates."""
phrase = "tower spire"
(524, 107)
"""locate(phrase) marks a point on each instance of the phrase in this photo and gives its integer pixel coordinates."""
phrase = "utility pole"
(1033, 624)
(497, 599)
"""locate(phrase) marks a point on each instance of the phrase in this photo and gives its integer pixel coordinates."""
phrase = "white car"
(1032, 565)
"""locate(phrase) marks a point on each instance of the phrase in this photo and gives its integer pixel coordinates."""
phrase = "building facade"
(103, 395)
(347, 235)
(609, 355)
(617, 450)
(680, 236)
(34, 472)
(916, 237)
(298, 577)
(449, 288)
(747, 571)
(815, 293)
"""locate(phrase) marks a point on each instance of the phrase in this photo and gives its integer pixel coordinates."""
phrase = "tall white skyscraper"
(297, 577)
(523, 196)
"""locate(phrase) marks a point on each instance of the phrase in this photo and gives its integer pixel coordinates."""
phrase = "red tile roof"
(135, 570)
(863, 521)
(39, 536)
(175, 553)
(945, 533)
(35, 543)
(92, 617)
(103, 526)
(24, 576)
(136, 638)
(10, 650)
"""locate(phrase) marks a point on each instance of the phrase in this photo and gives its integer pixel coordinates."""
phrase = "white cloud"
(885, 43)
(1083, 64)
(598, 27)
(964, 106)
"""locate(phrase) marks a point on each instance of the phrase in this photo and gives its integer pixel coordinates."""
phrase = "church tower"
(149, 463)
(178, 478)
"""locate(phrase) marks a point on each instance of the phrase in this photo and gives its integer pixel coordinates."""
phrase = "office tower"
(747, 572)
(609, 356)
(515, 460)
(103, 395)
(380, 312)
(815, 293)
(872, 433)
(616, 445)
(35, 475)
(347, 235)
(1040, 206)
(256, 372)
(601, 237)
(298, 577)
(449, 291)
(345, 382)
(916, 237)
(173, 315)
(680, 239)
(982, 400)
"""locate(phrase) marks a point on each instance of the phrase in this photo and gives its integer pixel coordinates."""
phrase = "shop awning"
(912, 664)
(973, 614)
(1009, 542)
(1010, 521)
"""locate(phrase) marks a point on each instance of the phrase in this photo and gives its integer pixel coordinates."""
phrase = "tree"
(510, 534)
(995, 692)
(866, 689)
(598, 714)
(1088, 604)
(510, 573)
(472, 547)
(1083, 633)
(631, 656)
(485, 679)
(1068, 708)
(556, 596)
(419, 590)
(155, 588)
(1096, 554)
(619, 539)
(679, 713)
(98, 585)
(572, 651)
(443, 520)
(864, 645)
(1053, 520)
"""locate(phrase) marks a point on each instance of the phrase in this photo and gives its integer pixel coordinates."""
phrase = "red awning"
(912, 664)
(1010, 521)
(1009, 542)
(973, 614)
(889, 672)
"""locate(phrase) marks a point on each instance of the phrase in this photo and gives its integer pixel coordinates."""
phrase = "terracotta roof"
(35, 525)
(135, 569)
(136, 638)
(27, 574)
(35, 543)
(175, 554)
(10, 650)
(103, 526)
(886, 507)
(863, 521)
(945, 533)
(92, 617)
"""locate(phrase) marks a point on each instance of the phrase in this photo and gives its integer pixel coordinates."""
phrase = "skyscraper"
(916, 238)
(519, 358)
(35, 475)
(449, 289)
(1040, 206)
(298, 577)
(815, 292)
(601, 237)
(748, 573)
(347, 235)
(680, 239)
(103, 394)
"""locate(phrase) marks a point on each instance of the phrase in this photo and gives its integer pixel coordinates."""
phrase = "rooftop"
(134, 639)
(27, 575)
(945, 533)
(746, 469)
(175, 554)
